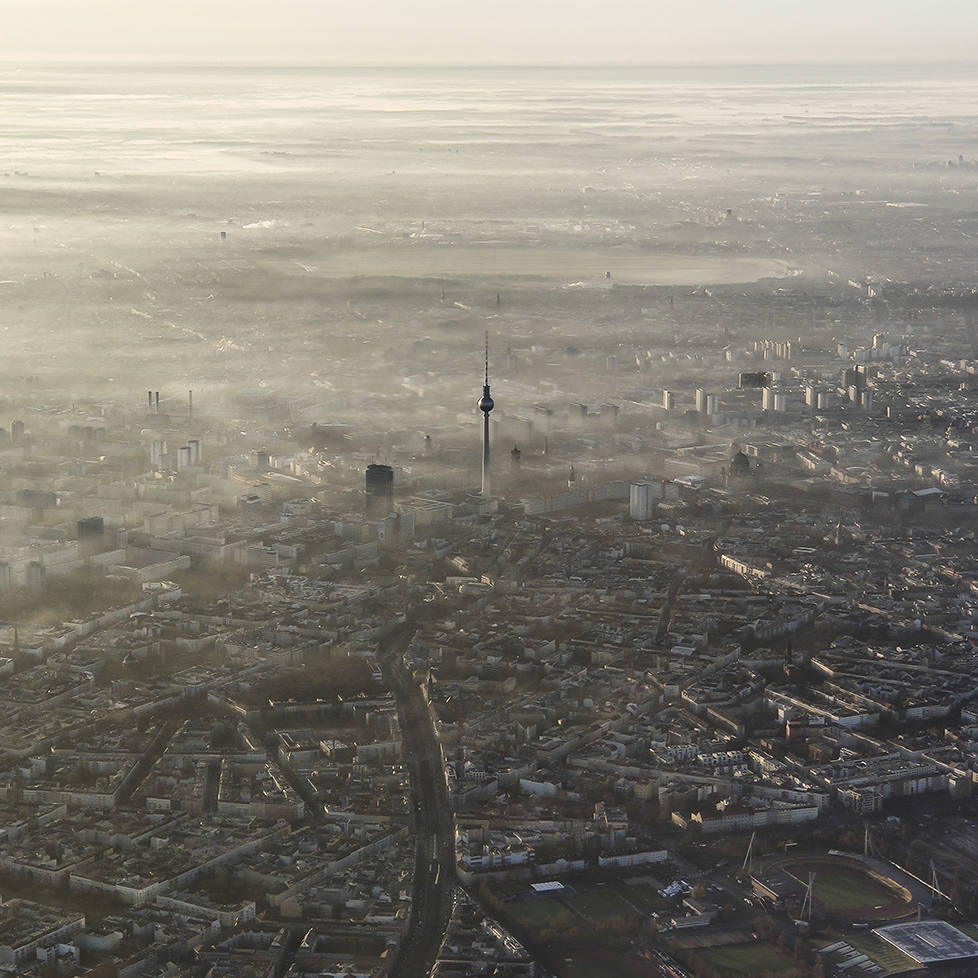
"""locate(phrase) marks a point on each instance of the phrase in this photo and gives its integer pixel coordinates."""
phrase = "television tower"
(485, 406)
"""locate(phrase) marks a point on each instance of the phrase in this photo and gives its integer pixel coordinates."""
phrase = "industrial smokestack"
(149, 395)
(157, 402)
(190, 405)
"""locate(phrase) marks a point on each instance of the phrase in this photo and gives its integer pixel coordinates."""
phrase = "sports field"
(607, 964)
(600, 904)
(646, 898)
(747, 959)
(536, 914)
(844, 889)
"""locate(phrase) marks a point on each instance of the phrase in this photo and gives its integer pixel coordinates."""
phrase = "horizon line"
(260, 62)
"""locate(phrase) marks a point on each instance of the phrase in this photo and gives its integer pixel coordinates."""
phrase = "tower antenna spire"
(487, 358)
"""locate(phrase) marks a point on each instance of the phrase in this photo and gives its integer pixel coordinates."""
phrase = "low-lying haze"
(347, 235)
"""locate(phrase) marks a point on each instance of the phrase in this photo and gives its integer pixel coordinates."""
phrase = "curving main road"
(434, 822)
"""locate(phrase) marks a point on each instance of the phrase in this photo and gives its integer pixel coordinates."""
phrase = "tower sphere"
(486, 403)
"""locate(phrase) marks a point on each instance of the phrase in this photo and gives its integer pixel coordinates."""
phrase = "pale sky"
(490, 31)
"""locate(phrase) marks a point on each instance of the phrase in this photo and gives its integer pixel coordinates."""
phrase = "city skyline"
(688, 690)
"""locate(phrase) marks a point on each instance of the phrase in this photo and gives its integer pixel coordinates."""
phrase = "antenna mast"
(485, 406)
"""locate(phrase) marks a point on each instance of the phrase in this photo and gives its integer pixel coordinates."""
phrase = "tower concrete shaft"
(486, 474)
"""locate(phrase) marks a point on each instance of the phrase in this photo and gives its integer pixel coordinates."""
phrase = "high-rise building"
(388, 530)
(641, 501)
(380, 491)
(37, 577)
(91, 535)
(854, 377)
(486, 404)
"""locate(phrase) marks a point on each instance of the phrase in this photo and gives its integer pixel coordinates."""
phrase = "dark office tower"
(380, 491)
(91, 535)
(37, 577)
(486, 404)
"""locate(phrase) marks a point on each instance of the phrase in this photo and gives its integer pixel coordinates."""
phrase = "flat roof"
(929, 941)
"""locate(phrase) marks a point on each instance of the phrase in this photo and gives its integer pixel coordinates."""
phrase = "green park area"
(605, 964)
(68, 596)
(645, 899)
(536, 914)
(748, 960)
(601, 904)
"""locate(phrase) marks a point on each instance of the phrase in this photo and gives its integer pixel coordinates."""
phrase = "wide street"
(434, 824)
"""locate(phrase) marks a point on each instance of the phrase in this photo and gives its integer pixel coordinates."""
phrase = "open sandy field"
(581, 266)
